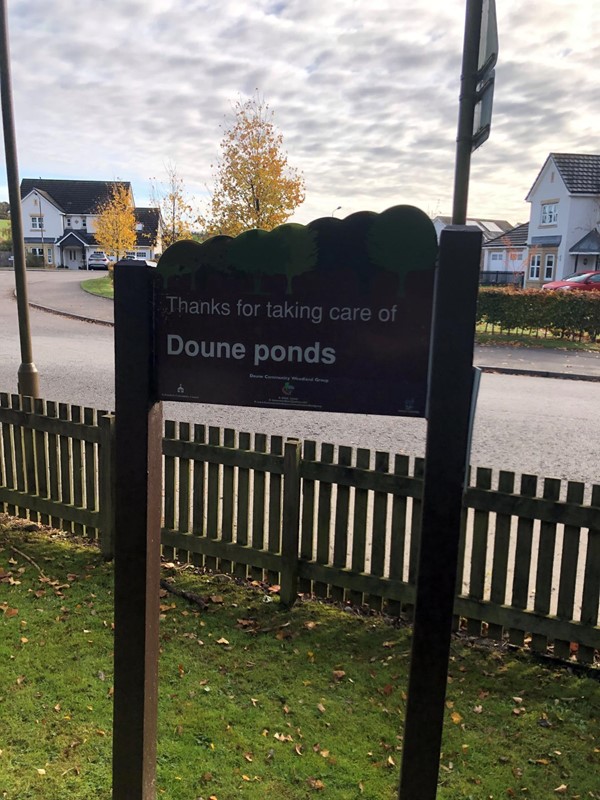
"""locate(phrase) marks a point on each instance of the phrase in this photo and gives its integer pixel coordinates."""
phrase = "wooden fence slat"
(64, 443)
(213, 495)
(198, 504)
(398, 532)
(341, 530)
(522, 558)
(481, 519)
(107, 487)
(591, 582)
(169, 488)
(379, 528)
(275, 491)
(545, 564)
(185, 469)
(19, 460)
(307, 528)
(324, 519)
(7, 447)
(41, 462)
(92, 468)
(29, 449)
(359, 526)
(53, 461)
(243, 506)
(415, 526)
(506, 484)
(290, 523)
(228, 498)
(568, 568)
(259, 504)
(77, 469)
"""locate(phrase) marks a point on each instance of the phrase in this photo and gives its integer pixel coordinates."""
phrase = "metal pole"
(466, 110)
(27, 375)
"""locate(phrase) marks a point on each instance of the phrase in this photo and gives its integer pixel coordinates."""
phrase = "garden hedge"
(564, 313)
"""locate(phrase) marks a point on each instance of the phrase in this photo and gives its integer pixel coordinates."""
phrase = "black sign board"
(331, 316)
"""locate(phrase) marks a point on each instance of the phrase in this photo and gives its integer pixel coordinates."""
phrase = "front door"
(73, 258)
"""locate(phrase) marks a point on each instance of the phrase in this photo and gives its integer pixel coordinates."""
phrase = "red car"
(581, 280)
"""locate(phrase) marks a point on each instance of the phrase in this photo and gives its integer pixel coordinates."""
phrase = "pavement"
(61, 293)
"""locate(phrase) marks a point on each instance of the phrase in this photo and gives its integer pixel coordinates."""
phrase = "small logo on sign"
(180, 389)
(288, 389)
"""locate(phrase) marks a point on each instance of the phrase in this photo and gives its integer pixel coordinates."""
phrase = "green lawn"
(101, 286)
(258, 702)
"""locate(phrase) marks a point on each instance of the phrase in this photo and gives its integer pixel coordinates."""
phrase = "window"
(37, 222)
(549, 213)
(37, 251)
(497, 257)
(83, 222)
(68, 222)
(534, 267)
(549, 262)
(49, 255)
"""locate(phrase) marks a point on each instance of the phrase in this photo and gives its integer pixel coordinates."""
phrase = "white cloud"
(365, 94)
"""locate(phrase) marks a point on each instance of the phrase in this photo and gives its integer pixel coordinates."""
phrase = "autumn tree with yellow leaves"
(175, 207)
(115, 223)
(254, 185)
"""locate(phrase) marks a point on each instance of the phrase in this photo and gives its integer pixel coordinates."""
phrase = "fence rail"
(331, 520)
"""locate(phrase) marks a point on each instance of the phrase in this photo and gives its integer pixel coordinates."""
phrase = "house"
(564, 221)
(59, 219)
(505, 257)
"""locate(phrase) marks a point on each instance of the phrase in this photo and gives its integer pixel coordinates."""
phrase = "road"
(542, 426)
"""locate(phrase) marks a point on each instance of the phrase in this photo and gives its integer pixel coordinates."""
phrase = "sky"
(364, 92)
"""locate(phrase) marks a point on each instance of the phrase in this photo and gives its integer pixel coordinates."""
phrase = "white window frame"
(49, 259)
(549, 215)
(37, 223)
(497, 257)
(549, 264)
(534, 267)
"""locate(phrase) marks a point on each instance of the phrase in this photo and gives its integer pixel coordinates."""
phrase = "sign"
(331, 316)
(488, 56)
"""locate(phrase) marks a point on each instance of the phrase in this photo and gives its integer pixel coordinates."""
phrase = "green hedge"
(565, 313)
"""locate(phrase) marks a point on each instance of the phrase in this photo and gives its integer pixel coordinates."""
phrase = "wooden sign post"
(333, 316)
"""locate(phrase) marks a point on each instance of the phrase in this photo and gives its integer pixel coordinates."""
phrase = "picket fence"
(338, 522)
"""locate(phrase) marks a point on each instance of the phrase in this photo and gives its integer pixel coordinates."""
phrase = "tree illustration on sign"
(402, 240)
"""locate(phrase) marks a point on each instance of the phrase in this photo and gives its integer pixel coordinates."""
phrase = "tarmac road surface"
(543, 426)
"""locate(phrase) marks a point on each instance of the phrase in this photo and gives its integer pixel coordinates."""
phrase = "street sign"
(484, 90)
(331, 316)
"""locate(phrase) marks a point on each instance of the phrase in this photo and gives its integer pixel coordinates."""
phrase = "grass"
(259, 702)
(100, 286)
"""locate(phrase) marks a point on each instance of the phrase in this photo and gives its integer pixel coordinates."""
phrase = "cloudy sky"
(365, 93)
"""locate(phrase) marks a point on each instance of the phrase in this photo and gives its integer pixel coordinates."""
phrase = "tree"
(115, 223)
(254, 185)
(175, 208)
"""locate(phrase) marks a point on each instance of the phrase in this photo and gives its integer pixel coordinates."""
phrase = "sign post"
(448, 434)
(138, 495)
(332, 316)
(480, 53)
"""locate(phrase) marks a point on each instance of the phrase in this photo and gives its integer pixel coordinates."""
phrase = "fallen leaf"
(478, 709)
(41, 771)
(298, 750)
(315, 784)
(222, 640)
(562, 789)
(389, 644)
(248, 757)
(321, 707)
(216, 598)
(456, 717)
(338, 674)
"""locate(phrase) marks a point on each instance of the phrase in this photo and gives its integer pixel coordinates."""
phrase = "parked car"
(580, 280)
(98, 260)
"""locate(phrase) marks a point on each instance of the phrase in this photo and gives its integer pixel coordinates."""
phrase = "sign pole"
(449, 415)
(466, 111)
(137, 536)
